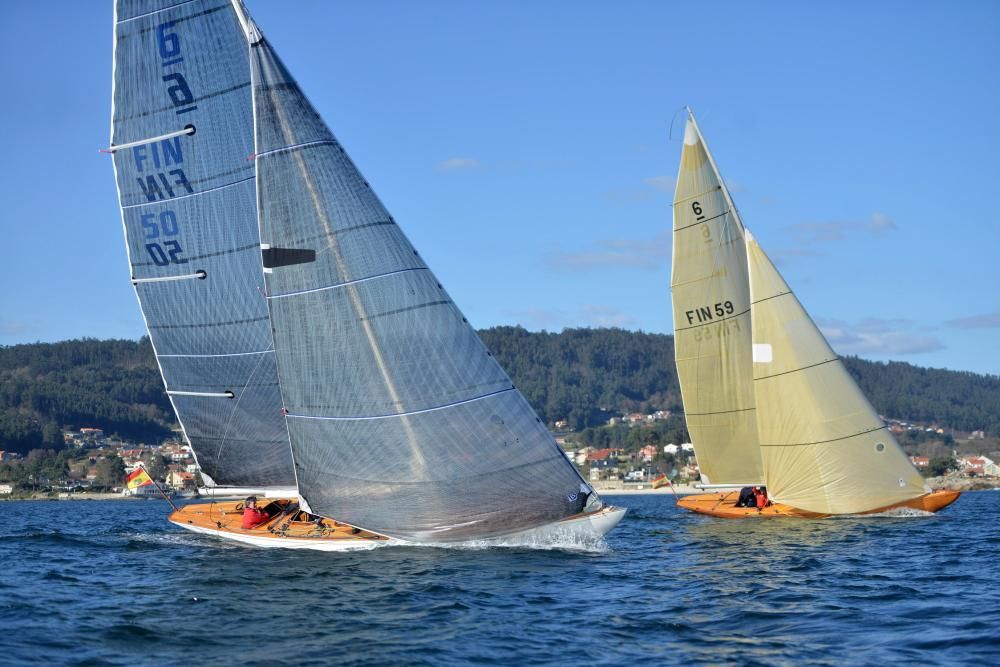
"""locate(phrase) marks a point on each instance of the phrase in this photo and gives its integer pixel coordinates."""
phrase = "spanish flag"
(660, 481)
(137, 478)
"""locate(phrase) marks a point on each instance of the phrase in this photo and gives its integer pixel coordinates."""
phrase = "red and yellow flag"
(660, 481)
(137, 478)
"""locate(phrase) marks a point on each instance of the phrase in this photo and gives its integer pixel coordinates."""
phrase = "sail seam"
(193, 194)
(705, 324)
(207, 96)
(702, 222)
(796, 370)
(207, 356)
(207, 324)
(720, 412)
(307, 144)
(155, 11)
(350, 282)
(337, 232)
(823, 442)
(769, 297)
(700, 194)
(405, 414)
(403, 310)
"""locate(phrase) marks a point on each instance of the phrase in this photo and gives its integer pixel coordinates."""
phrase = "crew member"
(760, 494)
(252, 516)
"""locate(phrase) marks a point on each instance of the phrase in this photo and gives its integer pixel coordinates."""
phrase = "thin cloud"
(874, 336)
(836, 230)
(986, 321)
(590, 315)
(614, 253)
(661, 183)
(812, 238)
(457, 164)
(15, 328)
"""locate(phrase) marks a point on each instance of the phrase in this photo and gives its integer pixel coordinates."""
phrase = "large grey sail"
(400, 419)
(182, 138)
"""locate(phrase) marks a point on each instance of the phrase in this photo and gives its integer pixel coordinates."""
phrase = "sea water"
(111, 583)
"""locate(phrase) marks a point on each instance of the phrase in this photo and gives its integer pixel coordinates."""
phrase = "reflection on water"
(113, 583)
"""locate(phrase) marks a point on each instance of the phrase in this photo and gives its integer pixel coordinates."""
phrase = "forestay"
(182, 138)
(825, 449)
(711, 308)
(400, 419)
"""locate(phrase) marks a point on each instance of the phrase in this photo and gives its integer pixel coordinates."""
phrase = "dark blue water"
(95, 583)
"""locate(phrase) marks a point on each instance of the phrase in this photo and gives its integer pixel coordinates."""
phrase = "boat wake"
(895, 513)
(554, 541)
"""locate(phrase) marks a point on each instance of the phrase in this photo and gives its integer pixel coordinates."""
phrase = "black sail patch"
(275, 257)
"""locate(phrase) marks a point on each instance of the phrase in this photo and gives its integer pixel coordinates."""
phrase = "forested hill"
(110, 384)
(577, 373)
(583, 375)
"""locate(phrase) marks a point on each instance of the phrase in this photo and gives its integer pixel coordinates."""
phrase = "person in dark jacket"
(747, 498)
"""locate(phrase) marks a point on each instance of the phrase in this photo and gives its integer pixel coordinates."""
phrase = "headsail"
(400, 419)
(825, 449)
(711, 306)
(182, 131)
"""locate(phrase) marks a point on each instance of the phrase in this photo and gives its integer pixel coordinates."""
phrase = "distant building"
(648, 453)
(561, 425)
(977, 435)
(920, 461)
(6, 489)
(670, 449)
(687, 447)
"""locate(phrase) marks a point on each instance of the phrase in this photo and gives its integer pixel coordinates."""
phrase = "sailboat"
(767, 401)
(311, 356)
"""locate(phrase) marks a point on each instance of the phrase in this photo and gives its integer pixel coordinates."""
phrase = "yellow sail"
(824, 447)
(711, 305)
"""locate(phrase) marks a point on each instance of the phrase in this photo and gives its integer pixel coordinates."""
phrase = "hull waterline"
(285, 531)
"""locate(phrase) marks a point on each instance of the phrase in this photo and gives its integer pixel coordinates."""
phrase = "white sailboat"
(767, 401)
(308, 350)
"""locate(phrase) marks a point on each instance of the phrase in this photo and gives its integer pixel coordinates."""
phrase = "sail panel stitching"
(796, 370)
(404, 414)
(702, 222)
(193, 194)
(700, 194)
(212, 356)
(752, 303)
(308, 144)
(719, 412)
(349, 282)
(823, 442)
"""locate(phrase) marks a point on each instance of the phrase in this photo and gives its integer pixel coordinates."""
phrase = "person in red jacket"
(252, 516)
(760, 494)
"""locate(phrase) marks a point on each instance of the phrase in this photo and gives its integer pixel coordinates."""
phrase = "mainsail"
(182, 133)
(711, 307)
(400, 420)
(825, 449)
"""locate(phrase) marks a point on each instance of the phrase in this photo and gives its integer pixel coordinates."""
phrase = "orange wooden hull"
(287, 523)
(723, 505)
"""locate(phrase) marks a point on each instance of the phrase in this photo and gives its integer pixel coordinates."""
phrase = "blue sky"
(524, 149)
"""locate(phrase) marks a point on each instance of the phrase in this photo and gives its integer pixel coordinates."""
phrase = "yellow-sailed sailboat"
(768, 403)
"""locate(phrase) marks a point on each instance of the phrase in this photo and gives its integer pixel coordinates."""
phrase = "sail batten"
(711, 311)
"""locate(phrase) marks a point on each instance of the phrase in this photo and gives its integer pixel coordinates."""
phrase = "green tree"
(940, 465)
(110, 472)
